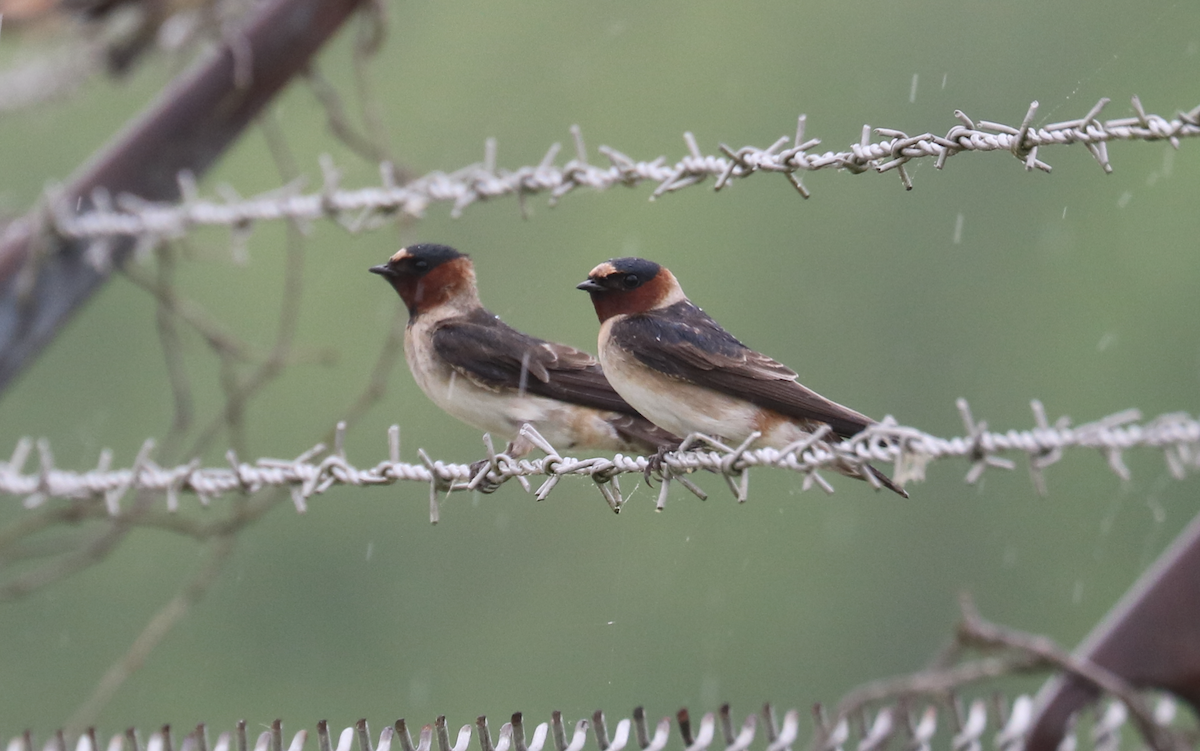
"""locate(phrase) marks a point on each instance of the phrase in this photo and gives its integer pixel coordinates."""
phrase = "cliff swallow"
(678, 367)
(495, 378)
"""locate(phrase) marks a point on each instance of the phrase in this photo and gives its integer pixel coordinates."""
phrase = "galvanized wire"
(315, 471)
(979, 725)
(364, 208)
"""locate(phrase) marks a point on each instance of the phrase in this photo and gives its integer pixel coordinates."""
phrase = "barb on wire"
(366, 208)
(1176, 434)
(938, 724)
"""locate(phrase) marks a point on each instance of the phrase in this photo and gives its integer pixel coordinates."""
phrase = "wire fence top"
(315, 471)
(973, 725)
(358, 209)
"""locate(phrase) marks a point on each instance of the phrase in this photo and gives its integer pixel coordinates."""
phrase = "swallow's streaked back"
(495, 378)
(679, 368)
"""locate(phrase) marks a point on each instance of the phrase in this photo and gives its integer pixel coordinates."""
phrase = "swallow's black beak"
(383, 270)
(590, 286)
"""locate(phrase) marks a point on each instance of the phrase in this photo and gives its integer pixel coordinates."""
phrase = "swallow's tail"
(887, 482)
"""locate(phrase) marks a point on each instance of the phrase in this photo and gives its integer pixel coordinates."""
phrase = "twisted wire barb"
(993, 724)
(1176, 434)
(366, 208)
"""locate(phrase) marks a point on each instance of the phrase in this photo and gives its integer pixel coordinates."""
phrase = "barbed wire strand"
(366, 208)
(997, 724)
(1176, 434)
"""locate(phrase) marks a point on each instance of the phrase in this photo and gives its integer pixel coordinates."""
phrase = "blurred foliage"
(1076, 288)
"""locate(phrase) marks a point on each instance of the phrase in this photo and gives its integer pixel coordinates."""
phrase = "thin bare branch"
(172, 348)
(973, 630)
(192, 314)
(385, 363)
(152, 635)
(337, 117)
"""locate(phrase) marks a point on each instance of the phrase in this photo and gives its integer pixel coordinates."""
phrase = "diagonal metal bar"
(44, 278)
(1151, 638)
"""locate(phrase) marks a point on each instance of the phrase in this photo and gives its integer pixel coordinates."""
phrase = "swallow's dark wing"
(493, 354)
(684, 342)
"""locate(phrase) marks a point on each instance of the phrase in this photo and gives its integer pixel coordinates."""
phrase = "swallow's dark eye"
(630, 281)
(421, 264)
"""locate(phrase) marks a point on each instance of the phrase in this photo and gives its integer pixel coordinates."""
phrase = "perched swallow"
(493, 377)
(678, 367)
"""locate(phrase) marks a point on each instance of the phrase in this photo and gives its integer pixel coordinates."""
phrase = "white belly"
(675, 405)
(502, 412)
(685, 408)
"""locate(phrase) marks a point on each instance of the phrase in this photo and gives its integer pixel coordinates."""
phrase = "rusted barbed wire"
(995, 724)
(1177, 435)
(364, 208)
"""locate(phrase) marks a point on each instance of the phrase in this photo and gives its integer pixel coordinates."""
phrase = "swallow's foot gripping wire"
(655, 463)
(479, 477)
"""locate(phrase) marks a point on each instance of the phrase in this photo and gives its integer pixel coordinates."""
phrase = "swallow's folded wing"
(495, 355)
(684, 342)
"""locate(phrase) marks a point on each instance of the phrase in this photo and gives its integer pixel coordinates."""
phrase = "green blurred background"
(1076, 288)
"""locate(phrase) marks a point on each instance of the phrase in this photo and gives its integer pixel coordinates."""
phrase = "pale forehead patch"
(400, 254)
(603, 270)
